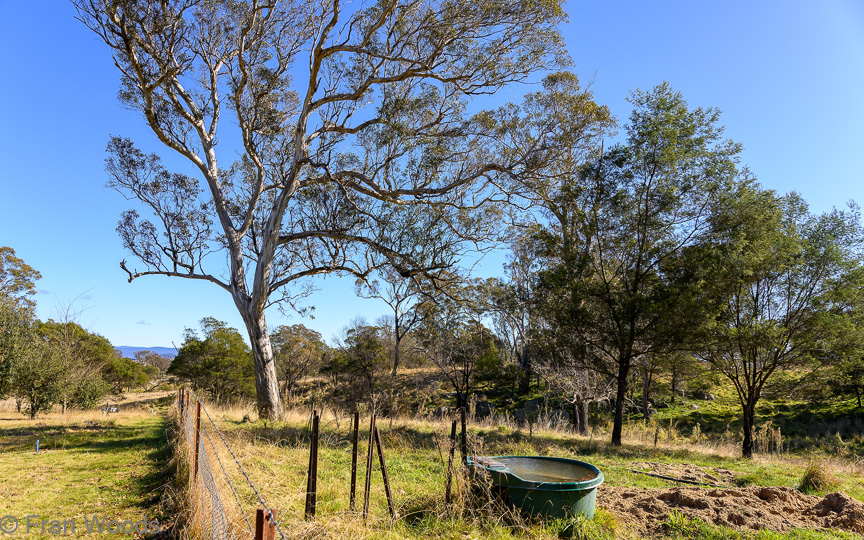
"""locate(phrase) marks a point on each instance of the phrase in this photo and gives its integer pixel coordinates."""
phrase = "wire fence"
(211, 516)
(215, 508)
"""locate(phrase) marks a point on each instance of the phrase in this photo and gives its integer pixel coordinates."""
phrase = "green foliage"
(490, 366)
(602, 527)
(16, 329)
(77, 344)
(83, 354)
(38, 378)
(298, 352)
(124, 373)
(17, 279)
(219, 362)
(90, 392)
(361, 357)
(624, 253)
(791, 278)
(156, 360)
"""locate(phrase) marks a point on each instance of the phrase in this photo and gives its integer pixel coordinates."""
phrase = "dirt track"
(774, 508)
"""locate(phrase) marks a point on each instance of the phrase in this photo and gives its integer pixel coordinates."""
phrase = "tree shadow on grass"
(24, 437)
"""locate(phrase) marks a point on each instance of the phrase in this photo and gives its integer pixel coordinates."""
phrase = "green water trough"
(543, 486)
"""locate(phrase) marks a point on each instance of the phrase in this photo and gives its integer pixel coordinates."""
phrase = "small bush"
(818, 477)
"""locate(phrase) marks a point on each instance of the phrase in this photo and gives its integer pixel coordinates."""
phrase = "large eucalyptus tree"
(349, 122)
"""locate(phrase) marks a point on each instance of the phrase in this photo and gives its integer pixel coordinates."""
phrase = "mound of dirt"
(693, 473)
(778, 509)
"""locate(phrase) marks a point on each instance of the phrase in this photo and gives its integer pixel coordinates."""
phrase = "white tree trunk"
(266, 381)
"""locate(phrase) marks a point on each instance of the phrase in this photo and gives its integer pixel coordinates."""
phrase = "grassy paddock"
(275, 456)
(88, 464)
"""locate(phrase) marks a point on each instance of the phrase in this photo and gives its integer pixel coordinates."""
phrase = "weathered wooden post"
(353, 497)
(265, 527)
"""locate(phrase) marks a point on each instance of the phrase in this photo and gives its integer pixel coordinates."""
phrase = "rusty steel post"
(197, 437)
(312, 479)
(450, 462)
(384, 474)
(368, 467)
(353, 496)
(265, 527)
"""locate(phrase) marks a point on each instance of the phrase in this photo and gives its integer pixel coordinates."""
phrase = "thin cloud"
(144, 322)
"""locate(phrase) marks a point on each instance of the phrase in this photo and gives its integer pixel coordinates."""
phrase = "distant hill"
(129, 352)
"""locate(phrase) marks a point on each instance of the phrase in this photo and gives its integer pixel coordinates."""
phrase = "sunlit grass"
(275, 455)
(88, 464)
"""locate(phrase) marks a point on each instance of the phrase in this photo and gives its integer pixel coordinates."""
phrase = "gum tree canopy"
(343, 137)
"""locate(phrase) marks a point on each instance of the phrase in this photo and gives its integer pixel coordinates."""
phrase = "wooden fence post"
(368, 467)
(450, 462)
(265, 527)
(197, 437)
(384, 474)
(353, 497)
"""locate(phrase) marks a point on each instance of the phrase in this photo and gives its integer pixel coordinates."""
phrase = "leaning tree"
(341, 123)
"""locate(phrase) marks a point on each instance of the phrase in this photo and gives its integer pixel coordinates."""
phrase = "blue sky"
(788, 76)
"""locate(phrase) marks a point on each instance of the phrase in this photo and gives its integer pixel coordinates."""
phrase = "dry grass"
(275, 457)
(819, 478)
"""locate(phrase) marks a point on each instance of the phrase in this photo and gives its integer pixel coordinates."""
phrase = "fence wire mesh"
(214, 518)
(211, 518)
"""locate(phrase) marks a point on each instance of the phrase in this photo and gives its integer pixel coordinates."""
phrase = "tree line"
(57, 362)
(656, 255)
(655, 249)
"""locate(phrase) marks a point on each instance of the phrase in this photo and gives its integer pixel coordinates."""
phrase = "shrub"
(89, 392)
(819, 477)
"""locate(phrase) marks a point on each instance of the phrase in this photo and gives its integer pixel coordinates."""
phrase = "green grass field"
(88, 465)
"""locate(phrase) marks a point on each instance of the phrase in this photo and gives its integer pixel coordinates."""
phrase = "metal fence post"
(450, 462)
(463, 448)
(197, 437)
(265, 528)
(384, 474)
(353, 497)
(312, 481)
(369, 451)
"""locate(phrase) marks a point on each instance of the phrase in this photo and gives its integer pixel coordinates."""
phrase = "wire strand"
(239, 466)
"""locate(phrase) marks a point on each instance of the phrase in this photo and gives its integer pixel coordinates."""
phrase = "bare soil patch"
(778, 509)
(692, 473)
